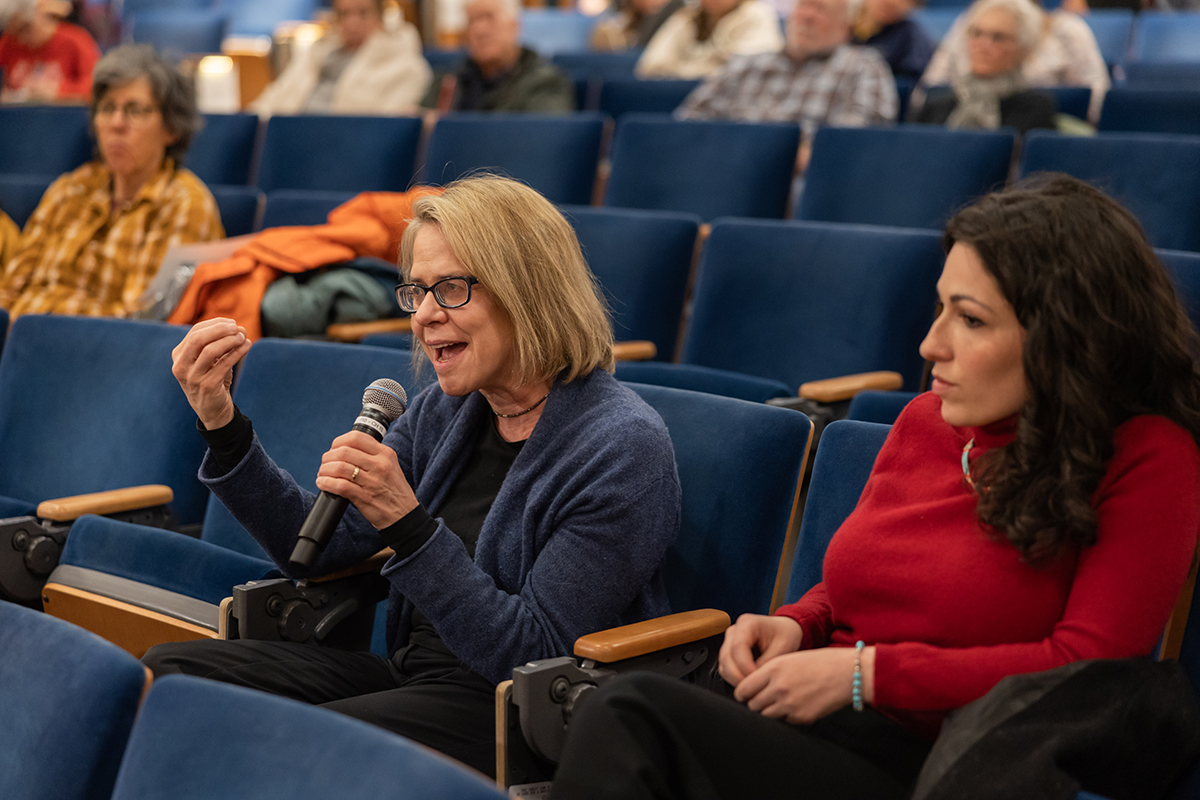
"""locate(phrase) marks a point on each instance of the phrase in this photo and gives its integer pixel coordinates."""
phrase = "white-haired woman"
(528, 496)
(993, 92)
(1065, 54)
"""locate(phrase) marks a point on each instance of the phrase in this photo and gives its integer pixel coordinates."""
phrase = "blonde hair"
(525, 254)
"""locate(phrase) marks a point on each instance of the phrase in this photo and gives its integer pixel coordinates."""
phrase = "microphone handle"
(328, 509)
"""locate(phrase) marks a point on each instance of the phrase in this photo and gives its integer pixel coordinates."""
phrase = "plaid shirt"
(851, 87)
(79, 256)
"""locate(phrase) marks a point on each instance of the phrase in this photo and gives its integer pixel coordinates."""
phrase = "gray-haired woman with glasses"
(100, 232)
(528, 496)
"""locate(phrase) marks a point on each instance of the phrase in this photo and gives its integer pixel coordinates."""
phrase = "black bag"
(1125, 728)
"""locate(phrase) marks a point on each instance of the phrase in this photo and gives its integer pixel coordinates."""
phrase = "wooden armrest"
(627, 641)
(357, 331)
(372, 564)
(831, 390)
(635, 350)
(65, 509)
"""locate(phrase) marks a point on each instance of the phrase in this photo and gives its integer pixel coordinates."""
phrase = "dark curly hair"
(1106, 340)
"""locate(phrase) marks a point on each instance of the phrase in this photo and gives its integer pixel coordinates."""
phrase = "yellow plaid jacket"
(79, 255)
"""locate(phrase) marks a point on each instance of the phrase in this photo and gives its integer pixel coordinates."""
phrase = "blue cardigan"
(572, 543)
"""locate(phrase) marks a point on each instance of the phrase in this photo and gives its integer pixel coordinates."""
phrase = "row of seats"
(911, 176)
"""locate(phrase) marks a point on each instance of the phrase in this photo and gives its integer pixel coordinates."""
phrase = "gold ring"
(354, 475)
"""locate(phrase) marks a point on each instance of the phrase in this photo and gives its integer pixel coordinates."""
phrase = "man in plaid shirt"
(819, 78)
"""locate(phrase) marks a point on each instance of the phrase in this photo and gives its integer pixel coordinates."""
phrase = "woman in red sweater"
(1039, 506)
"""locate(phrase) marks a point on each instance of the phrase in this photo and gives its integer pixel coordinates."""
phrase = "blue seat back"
(239, 207)
(1112, 28)
(296, 207)
(261, 17)
(913, 176)
(556, 155)
(1166, 36)
(845, 457)
(936, 21)
(703, 379)
(1173, 75)
(621, 96)
(90, 404)
(550, 31)
(444, 60)
(801, 301)
(1185, 272)
(129, 7)
(180, 32)
(20, 195)
(203, 739)
(342, 154)
(1153, 175)
(300, 396)
(642, 260)
(43, 140)
(69, 701)
(1073, 100)
(881, 407)
(1151, 110)
(597, 66)
(222, 151)
(740, 465)
(711, 169)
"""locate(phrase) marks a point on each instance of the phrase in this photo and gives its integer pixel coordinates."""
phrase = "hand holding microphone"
(357, 469)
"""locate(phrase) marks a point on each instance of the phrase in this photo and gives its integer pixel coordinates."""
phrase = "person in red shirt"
(45, 59)
(1039, 506)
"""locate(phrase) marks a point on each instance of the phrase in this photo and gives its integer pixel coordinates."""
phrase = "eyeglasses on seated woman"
(1039, 506)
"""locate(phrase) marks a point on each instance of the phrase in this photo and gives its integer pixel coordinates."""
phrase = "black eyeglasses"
(448, 292)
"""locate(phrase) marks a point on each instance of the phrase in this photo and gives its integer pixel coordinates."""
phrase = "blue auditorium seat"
(43, 140)
(300, 395)
(1164, 37)
(913, 176)
(293, 207)
(881, 407)
(198, 739)
(800, 301)
(1173, 75)
(597, 66)
(69, 701)
(549, 31)
(642, 260)
(1112, 28)
(621, 96)
(555, 154)
(222, 151)
(444, 60)
(20, 195)
(711, 169)
(180, 32)
(937, 21)
(336, 153)
(1185, 270)
(1073, 100)
(239, 207)
(1153, 175)
(1151, 110)
(262, 17)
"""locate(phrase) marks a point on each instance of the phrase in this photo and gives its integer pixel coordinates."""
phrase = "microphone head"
(388, 396)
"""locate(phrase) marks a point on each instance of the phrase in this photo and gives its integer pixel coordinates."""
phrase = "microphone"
(383, 402)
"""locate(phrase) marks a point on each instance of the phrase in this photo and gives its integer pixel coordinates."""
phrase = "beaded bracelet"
(856, 687)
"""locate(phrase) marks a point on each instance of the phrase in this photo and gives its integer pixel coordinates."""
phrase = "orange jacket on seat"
(369, 224)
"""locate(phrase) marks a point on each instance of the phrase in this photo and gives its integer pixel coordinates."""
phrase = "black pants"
(427, 696)
(648, 736)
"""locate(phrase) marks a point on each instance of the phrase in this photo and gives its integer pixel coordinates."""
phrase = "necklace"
(967, 466)
(521, 413)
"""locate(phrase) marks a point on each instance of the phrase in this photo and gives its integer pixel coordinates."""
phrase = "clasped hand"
(800, 686)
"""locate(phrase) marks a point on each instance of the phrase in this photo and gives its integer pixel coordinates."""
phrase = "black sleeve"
(229, 443)
(407, 534)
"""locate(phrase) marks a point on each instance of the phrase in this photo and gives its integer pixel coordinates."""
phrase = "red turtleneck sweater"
(951, 611)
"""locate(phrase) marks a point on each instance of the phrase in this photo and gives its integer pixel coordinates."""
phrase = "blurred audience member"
(886, 26)
(634, 24)
(819, 78)
(499, 74)
(1066, 54)
(99, 233)
(44, 58)
(359, 67)
(698, 40)
(993, 93)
